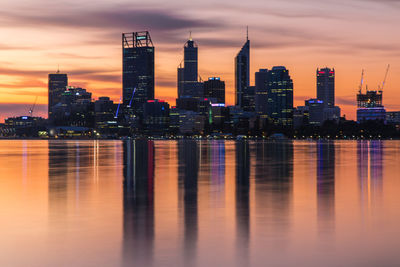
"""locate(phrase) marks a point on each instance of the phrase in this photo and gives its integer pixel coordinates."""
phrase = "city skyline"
(91, 55)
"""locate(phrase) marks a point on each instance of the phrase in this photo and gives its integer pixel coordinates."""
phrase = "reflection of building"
(242, 200)
(274, 186)
(138, 203)
(242, 73)
(138, 70)
(326, 185)
(188, 155)
(370, 171)
(370, 107)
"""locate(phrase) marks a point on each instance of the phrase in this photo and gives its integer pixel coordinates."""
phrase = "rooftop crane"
(119, 104)
(33, 107)
(362, 81)
(386, 74)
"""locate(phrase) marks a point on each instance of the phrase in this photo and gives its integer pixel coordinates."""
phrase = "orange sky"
(85, 40)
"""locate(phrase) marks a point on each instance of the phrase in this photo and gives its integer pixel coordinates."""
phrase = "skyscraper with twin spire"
(242, 73)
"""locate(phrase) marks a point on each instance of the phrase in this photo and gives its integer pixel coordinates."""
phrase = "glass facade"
(58, 83)
(242, 73)
(138, 70)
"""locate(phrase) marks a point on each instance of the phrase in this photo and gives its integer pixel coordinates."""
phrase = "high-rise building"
(188, 84)
(242, 73)
(214, 89)
(370, 107)
(58, 83)
(326, 86)
(261, 98)
(138, 70)
(280, 96)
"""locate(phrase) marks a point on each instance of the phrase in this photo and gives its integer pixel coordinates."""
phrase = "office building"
(315, 111)
(57, 85)
(242, 73)
(326, 86)
(261, 96)
(214, 89)
(156, 116)
(280, 97)
(188, 84)
(138, 71)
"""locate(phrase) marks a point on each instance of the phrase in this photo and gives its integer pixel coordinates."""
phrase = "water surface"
(204, 203)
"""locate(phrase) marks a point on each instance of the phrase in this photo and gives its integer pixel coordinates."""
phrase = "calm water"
(208, 203)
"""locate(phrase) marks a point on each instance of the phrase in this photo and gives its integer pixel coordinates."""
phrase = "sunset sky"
(84, 39)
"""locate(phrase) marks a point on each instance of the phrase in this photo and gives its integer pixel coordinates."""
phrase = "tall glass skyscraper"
(58, 83)
(326, 86)
(280, 96)
(188, 85)
(242, 73)
(138, 70)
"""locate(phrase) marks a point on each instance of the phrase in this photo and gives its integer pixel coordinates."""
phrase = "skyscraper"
(138, 70)
(188, 84)
(326, 86)
(280, 96)
(242, 72)
(214, 89)
(261, 91)
(58, 83)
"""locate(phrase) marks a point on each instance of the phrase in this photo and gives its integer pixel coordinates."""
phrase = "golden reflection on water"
(199, 203)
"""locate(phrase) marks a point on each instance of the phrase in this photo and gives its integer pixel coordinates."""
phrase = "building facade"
(138, 70)
(214, 89)
(242, 73)
(326, 86)
(57, 85)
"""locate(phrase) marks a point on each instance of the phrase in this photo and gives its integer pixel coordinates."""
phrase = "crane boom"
(33, 107)
(386, 75)
(362, 81)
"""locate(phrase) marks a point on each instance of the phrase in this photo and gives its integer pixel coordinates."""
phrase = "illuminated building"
(280, 97)
(138, 70)
(261, 96)
(156, 116)
(316, 111)
(56, 87)
(188, 84)
(326, 86)
(214, 89)
(369, 106)
(242, 73)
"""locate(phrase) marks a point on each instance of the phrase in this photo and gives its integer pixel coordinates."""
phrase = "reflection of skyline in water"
(274, 187)
(188, 160)
(242, 202)
(138, 201)
(326, 186)
(370, 171)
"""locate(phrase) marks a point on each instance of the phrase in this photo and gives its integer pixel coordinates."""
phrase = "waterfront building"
(261, 92)
(57, 84)
(370, 106)
(138, 71)
(315, 111)
(326, 86)
(214, 89)
(188, 82)
(156, 116)
(280, 97)
(242, 73)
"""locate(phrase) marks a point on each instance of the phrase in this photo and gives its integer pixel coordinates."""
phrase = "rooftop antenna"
(247, 33)
(190, 36)
(58, 69)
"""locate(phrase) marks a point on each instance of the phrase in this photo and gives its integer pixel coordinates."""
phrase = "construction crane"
(119, 104)
(386, 75)
(362, 81)
(130, 102)
(33, 107)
